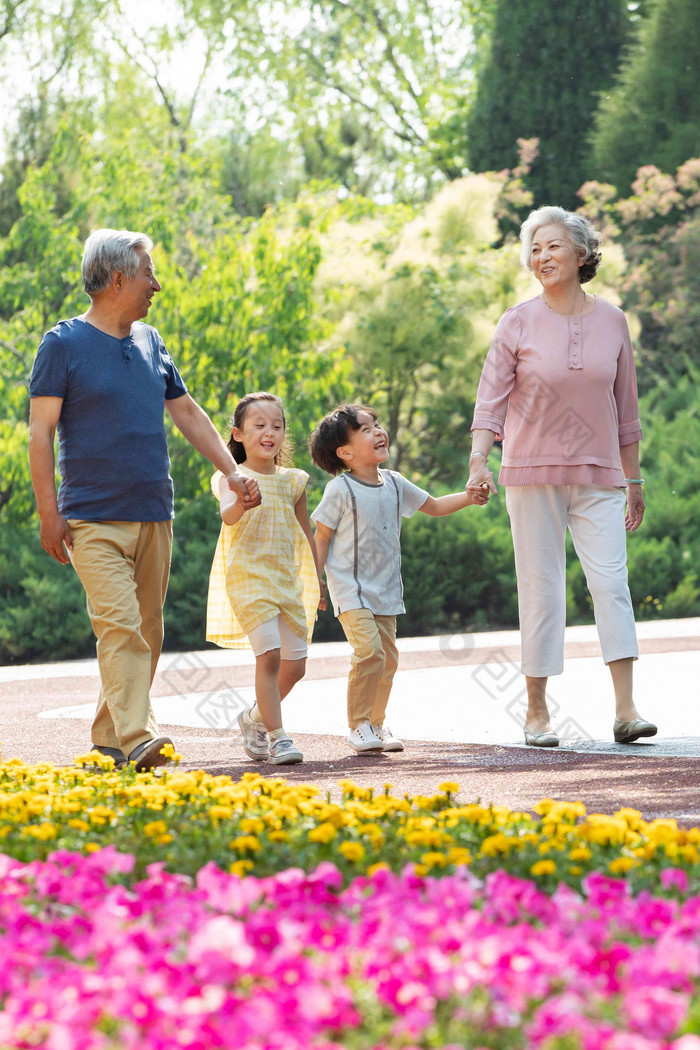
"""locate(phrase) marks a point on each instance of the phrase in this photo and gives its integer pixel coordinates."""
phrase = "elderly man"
(103, 379)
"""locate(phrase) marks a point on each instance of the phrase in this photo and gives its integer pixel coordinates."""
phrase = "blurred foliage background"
(333, 190)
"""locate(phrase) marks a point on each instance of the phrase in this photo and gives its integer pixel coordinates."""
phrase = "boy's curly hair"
(333, 432)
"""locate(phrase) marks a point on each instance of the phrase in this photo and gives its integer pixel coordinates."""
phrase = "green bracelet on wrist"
(635, 481)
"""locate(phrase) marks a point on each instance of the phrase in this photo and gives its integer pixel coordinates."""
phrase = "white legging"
(539, 515)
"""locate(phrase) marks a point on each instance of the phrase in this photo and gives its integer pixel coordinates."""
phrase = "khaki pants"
(124, 568)
(374, 661)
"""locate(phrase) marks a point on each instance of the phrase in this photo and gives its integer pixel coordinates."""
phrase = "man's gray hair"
(585, 238)
(109, 250)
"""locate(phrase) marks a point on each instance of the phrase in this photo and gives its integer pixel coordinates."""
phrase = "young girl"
(264, 586)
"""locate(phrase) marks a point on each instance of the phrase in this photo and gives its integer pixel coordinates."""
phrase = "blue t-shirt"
(113, 452)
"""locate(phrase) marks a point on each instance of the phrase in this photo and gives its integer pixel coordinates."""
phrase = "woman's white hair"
(109, 250)
(584, 237)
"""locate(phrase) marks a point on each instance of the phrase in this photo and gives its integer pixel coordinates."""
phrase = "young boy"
(358, 526)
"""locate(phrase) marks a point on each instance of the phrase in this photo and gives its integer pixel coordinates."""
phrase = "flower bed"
(262, 826)
(297, 960)
(180, 910)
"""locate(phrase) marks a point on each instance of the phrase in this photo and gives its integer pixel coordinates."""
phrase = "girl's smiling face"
(261, 433)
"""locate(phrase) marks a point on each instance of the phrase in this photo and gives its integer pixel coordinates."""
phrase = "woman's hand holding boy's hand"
(478, 497)
(480, 479)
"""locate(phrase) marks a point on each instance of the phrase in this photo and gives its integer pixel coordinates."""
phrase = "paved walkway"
(458, 702)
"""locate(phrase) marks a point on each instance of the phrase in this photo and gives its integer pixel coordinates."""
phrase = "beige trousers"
(124, 568)
(373, 664)
(595, 517)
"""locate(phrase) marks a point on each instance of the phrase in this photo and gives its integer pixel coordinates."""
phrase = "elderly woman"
(561, 365)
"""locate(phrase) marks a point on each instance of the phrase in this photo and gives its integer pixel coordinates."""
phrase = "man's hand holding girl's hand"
(246, 489)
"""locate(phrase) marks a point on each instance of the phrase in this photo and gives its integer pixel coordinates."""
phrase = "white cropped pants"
(539, 516)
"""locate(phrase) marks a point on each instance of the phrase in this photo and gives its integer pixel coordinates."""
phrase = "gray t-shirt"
(364, 560)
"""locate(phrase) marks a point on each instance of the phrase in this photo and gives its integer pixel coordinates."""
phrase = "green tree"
(237, 313)
(545, 67)
(652, 115)
(659, 227)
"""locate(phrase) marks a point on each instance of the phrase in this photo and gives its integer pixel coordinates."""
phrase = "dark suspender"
(356, 543)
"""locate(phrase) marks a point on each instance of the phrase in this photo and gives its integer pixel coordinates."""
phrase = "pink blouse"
(568, 386)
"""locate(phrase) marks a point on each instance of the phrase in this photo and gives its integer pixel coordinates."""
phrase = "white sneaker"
(254, 737)
(389, 741)
(363, 738)
(284, 752)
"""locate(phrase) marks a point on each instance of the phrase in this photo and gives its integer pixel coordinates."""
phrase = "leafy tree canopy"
(544, 69)
(652, 116)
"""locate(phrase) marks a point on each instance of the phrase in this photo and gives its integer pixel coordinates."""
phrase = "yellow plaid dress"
(263, 565)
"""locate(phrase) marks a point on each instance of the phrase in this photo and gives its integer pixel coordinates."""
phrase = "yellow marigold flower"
(450, 787)
(43, 832)
(38, 804)
(459, 855)
(169, 751)
(689, 854)
(580, 853)
(155, 828)
(575, 870)
(424, 801)
(5, 831)
(241, 867)
(88, 759)
(101, 815)
(352, 851)
(604, 830)
(92, 847)
(474, 814)
(246, 844)
(543, 806)
(78, 824)
(543, 867)
(494, 844)
(621, 864)
(379, 866)
(545, 847)
(632, 816)
(217, 813)
(335, 815)
(278, 836)
(662, 830)
(434, 859)
(322, 833)
(420, 869)
(565, 811)
(251, 825)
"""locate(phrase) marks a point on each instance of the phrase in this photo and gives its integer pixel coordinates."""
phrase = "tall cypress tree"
(546, 66)
(652, 116)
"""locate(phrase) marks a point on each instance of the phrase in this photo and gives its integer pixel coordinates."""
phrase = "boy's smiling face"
(366, 447)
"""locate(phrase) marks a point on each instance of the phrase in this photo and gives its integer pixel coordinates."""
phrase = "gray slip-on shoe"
(628, 732)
